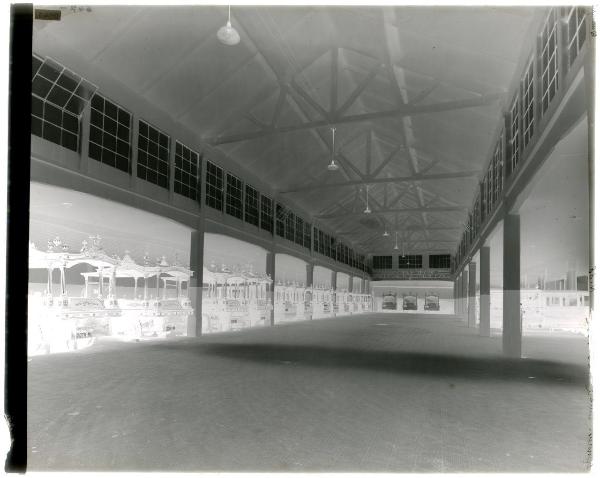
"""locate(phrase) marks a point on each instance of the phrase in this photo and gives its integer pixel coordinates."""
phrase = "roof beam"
(334, 80)
(283, 89)
(358, 90)
(408, 110)
(296, 88)
(399, 210)
(385, 162)
(398, 179)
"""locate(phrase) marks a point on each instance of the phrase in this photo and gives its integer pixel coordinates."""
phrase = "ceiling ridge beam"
(397, 210)
(334, 80)
(399, 179)
(408, 110)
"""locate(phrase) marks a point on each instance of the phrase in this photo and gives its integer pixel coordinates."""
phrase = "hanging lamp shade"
(367, 209)
(227, 34)
(332, 166)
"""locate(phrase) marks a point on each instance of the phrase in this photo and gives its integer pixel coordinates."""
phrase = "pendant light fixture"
(396, 246)
(385, 233)
(332, 166)
(367, 210)
(227, 34)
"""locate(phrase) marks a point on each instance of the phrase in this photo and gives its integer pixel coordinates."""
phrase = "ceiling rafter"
(283, 91)
(358, 90)
(296, 88)
(387, 160)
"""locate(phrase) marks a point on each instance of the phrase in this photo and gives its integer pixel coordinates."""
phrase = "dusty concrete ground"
(390, 393)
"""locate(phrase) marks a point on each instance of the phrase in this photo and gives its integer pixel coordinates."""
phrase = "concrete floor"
(389, 393)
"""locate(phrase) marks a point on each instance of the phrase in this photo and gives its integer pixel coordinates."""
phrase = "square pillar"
(333, 295)
(194, 325)
(484, 292)
(310, 270)
(511, 297)
(465, 293)
(455, 294)
(461, 296)
(472, 318)
(270, 270)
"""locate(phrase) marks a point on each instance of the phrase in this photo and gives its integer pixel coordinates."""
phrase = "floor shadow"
(401, 362)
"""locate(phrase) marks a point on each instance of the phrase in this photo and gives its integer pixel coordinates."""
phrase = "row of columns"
(465, 289)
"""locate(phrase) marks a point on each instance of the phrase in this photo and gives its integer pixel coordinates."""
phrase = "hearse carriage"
(409, 302)
(234, 299)
(99, 310)
(389, 301)
(432, 302)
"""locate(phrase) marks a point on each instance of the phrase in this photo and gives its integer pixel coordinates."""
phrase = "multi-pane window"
(110, 133)
(251, 214)
(290, 218)
(439, 261)
(514, 134)
(187, 167)
(527, 104)
(307, 238)
(320, 242)
(549, 60)
(410, 261)
(299, 231)
(58, 97)
(575, 32)
(382, 262)
(477, 214)
(489, 186)
(266, 213)
(214, 186)
(498, 170)
(54, 124)
(328, 251)
(153, 155)
(280, 213)
(234, 205)
(332, 243)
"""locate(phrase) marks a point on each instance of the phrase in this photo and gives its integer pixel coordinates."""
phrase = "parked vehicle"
(432, 302)
(409, 302)
(389, 301)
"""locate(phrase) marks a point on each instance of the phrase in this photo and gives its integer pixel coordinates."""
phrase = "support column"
(194, 326)
(308, 310)
(465, 294)
(511, 297)
(461, 280)
(472, 317)
(334, 293)
(270, 269)
(484, 292)
(310, 270)
(350, 284)
(455, 294)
